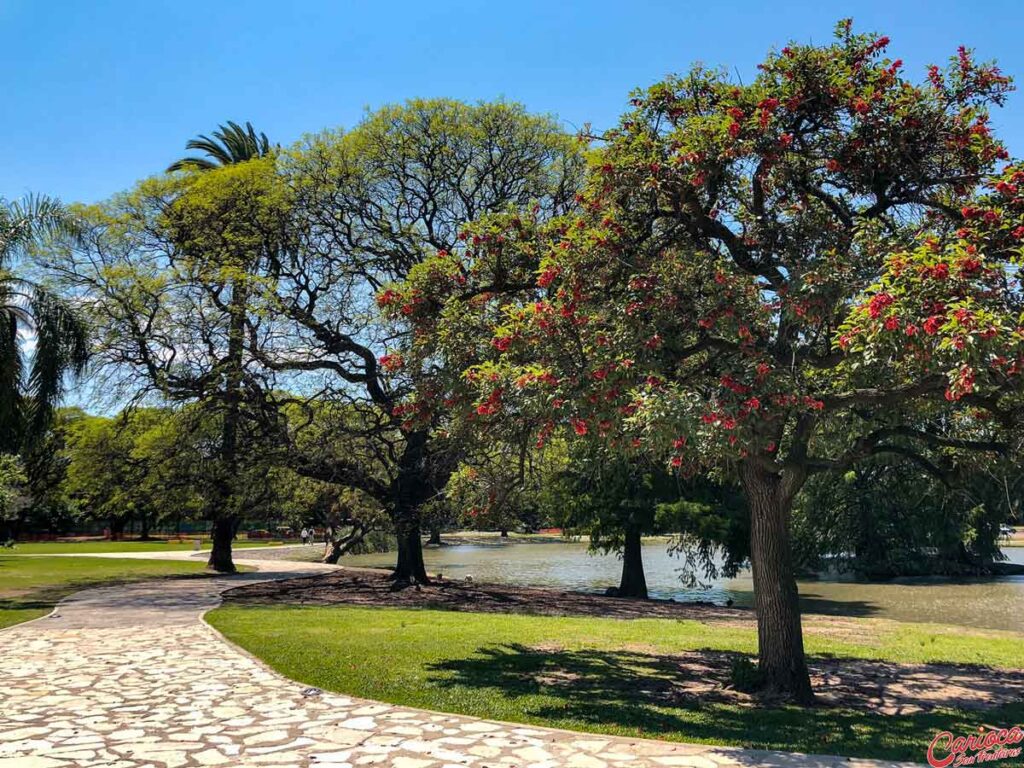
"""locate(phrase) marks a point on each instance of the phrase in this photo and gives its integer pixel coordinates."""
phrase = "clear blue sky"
(98, 94)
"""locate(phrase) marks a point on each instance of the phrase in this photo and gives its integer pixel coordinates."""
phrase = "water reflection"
(982, 603)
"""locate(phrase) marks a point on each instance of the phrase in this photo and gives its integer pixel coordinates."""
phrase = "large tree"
(169, 273)
(237, 255)
(106, 476)
(368, 205)
(777, 277)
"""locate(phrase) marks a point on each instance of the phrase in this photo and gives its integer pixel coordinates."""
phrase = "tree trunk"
(504, 533)
(633, 583)
(410, 489)
(779, 634)
(144, 527)
(435, 536)
(410, 567)
(225, 522)
(335, 548)
(220, 553)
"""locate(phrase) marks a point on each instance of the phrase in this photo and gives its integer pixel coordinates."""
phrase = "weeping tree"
(42, 336)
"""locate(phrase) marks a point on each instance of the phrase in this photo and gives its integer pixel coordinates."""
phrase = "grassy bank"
(30, 586)
(90, 547)
(601, 675)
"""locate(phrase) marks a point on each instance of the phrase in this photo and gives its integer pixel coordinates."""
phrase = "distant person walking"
(304, 533)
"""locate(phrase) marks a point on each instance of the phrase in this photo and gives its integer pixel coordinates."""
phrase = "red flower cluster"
(392, 362)
(879, 302)
(492, 404)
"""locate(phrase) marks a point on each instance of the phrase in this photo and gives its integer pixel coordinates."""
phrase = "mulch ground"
(372, 587)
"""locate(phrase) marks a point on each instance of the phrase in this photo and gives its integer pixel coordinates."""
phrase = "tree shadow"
(811, 603)
(29, 603)
(687, 697)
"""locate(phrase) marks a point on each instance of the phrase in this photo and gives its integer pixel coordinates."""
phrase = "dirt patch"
(888, 687)
(692, 678)
(366, 586)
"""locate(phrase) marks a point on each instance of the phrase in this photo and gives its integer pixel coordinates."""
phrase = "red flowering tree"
(778, 279)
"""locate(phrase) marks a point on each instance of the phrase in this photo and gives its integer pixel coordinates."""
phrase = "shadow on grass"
(32, 603)
(683, 698)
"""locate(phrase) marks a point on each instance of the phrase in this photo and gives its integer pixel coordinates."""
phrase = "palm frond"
(11, 378)
(26, 221)
(59, 335)
(231, 143)
(62, 348)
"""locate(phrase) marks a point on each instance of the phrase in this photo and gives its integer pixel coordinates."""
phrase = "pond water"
(994, 603)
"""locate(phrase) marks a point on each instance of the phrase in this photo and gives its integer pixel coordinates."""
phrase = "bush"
(745, 675)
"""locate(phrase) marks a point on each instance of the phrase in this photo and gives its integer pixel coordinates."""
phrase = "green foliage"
(745, 676)
(711, 523)
(104, 476)
(231, 144)
(601, 496)
(12, 477)
(502, 486)
(890, 518)
(32, 384)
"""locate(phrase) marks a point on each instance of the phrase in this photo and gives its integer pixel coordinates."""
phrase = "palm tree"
(26, 308)
(231, 143)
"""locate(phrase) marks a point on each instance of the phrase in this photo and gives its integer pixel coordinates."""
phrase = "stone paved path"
(130, 676)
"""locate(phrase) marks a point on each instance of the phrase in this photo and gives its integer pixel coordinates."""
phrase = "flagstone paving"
(130, 676)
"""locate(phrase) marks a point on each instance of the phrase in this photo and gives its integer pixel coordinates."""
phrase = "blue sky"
(98, 94)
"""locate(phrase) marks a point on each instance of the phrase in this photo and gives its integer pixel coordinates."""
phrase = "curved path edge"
(132, 676)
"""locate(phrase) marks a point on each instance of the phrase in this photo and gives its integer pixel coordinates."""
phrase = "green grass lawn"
(601, 675)
(30, 586)
(69, 547)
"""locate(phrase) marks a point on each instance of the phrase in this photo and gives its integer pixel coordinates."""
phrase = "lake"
(993, 603)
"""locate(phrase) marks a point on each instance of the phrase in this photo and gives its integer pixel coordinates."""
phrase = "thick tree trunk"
(435, 537)
(220, 553)
(504, 533)
(410, 489)
(779, 633)
(332, 553)
(633, 583)
(410, 567)
(144, 526)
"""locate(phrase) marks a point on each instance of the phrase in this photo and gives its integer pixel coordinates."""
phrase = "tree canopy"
(781, 277)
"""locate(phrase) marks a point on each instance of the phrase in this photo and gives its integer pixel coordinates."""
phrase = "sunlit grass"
(594, 674)
(31, 586)
(90, 547)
